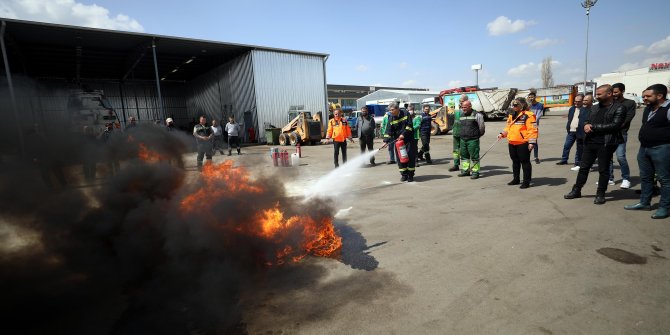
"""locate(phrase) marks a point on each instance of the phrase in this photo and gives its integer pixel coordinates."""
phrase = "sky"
(420, 43)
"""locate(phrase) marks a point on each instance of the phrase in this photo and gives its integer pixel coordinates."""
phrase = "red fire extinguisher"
(402, 151)
(298, 150)
(275, 158)
(285, 158)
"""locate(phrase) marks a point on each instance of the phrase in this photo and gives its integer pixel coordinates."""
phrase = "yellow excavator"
(302, 128)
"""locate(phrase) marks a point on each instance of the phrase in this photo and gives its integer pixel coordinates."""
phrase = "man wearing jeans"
(575, 128)
(654, 154)
(629, 108)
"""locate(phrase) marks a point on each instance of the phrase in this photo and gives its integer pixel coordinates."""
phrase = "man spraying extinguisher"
(400, 133)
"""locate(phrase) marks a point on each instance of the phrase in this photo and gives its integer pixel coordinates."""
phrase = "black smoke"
(120, 255)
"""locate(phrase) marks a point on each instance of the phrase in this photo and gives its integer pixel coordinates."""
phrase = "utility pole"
(587, 4)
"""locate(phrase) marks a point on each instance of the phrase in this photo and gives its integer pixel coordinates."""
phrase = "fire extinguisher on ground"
(298, 149)
(402, 151)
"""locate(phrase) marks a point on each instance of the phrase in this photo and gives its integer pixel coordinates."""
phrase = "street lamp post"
(476, 68)
(587, 4)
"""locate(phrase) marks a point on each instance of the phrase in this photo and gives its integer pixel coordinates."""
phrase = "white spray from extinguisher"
(340, 180)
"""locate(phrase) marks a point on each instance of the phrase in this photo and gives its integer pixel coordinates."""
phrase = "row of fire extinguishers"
(284, 158)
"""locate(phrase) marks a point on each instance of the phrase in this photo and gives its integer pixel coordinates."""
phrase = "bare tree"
(547, 73)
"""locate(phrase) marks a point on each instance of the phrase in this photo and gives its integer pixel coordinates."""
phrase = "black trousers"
(205, 150)
(409, 167)
(520, 156)
(233, 141)
(592, 152)
(337, 146)
(366, 141)
(425, 144)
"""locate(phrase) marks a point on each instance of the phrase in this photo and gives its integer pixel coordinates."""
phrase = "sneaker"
(611, 183)
(562, 163)
(574, 168)
(625, 184)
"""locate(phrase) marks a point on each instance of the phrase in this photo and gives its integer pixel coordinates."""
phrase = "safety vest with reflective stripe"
(522, 128)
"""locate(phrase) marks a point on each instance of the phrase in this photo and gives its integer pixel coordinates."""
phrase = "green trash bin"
(272, 136)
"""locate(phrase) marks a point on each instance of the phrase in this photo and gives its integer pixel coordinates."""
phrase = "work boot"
(454, 168)
(574, 194)
(428, 160)
(464, 173)
(661, 213)
(638, 207)
(514, 181)
(238, 152)
(525, 184)
(475, 175)
(404, 177)
(410, 177)
(600, 199)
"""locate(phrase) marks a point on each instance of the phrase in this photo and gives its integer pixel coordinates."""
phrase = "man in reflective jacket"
(338, 133)
(400, 128)
(472, 128)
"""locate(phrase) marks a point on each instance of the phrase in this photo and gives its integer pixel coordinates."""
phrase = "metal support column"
(123, 103)
(158, 81)
(11, 89)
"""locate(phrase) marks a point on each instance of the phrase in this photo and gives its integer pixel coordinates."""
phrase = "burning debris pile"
(148, 252)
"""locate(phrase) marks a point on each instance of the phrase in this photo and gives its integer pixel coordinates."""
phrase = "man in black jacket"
(366, 132)
(400, 128)
(654, 154)
(603, 135)
(629, 108)
(575, 131)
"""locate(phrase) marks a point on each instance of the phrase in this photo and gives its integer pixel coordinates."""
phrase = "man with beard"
(654, 154)
(366, 132)
(629, 108)
(400, 128)
(603, 135)
(203, 138)
(423, 127)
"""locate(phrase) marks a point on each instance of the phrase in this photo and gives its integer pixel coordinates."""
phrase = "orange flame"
(292, 238)
(148, 155)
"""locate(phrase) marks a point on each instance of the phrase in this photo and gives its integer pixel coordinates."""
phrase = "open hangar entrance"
(152, 77)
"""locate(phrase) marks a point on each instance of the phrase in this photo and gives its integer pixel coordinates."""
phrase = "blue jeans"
(655, 160)
(570, 139)
(621, 158)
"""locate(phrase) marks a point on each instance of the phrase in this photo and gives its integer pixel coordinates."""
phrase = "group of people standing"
(209, 139)
(602, 130)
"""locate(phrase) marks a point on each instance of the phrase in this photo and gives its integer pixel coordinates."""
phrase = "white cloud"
(523, 69)
(643, 63)
(503, 25)
(635, 49)
(402, 65)
(362, 68)
(454, 83)
(409, 82)
(534, 43)
(659, 47)
(68, 12)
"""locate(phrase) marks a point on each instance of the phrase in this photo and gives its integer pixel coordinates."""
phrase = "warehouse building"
(152, 77)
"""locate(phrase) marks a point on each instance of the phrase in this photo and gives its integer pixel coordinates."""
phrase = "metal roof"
(60, 51)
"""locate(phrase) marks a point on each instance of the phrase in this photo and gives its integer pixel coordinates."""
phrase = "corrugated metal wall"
(45, 101)
(284, 80)
(227, 90)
